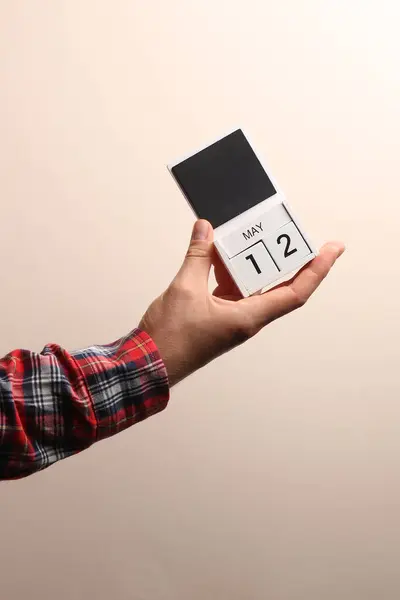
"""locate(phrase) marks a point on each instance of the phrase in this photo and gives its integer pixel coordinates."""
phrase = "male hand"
(191, 326)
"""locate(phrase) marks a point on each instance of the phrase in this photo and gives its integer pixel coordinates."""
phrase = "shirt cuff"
(126, 381)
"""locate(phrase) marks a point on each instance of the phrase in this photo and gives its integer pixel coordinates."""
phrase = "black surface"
(224, 179)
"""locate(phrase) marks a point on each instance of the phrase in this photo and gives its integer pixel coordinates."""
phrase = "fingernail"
(200, 230)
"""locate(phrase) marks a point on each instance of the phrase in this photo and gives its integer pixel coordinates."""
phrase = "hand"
(191, 326)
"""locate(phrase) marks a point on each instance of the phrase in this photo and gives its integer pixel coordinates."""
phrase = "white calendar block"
(255, 267)
(288, 247)
(256, 234)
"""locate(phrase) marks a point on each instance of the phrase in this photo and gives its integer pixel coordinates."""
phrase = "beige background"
(275, 472)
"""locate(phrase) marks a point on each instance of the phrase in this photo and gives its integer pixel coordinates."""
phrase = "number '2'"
(286, 252)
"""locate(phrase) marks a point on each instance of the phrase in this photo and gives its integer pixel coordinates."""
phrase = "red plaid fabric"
(55, 404)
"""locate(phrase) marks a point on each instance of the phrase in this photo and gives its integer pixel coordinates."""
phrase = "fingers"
(288, 297)
(310, 278)
(197, 263)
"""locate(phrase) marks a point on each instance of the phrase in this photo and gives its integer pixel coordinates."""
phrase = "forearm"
(56, 404)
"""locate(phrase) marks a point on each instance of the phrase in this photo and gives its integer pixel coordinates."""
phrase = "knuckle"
(179, 288)
(198, 250)
(172, 289)
(245, 328)
(299, 300)
(187, 293)
(251, 330)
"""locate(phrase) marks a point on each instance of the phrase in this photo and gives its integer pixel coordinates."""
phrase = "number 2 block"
(255, 267)
(287, 247)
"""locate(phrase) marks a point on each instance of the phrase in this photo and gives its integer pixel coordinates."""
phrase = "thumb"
(198, 258)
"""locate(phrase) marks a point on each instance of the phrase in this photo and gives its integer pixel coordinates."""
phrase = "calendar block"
(287, 247)
(256, 234)
(255, 266)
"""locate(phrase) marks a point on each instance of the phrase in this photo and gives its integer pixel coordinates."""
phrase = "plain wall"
(274, 472)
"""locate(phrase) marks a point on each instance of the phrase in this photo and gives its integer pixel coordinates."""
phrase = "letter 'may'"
(252, 232)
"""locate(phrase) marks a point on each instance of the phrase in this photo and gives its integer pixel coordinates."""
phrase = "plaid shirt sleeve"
(56, 404)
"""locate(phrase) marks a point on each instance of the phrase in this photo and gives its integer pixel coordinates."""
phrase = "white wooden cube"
(256, 234)
(255, 267)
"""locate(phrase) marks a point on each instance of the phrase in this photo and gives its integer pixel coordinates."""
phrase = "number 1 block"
(254, 265)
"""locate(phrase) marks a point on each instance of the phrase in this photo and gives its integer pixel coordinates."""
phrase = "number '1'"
(254, 262)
